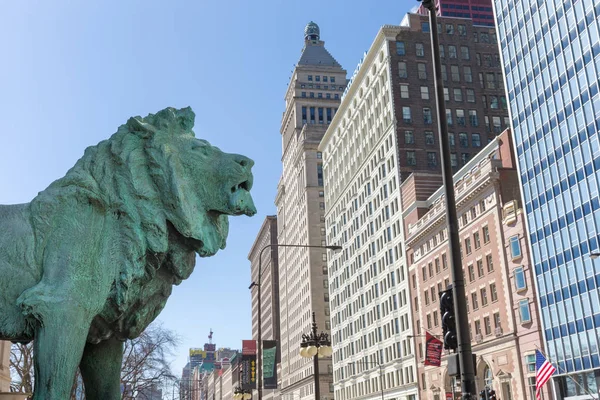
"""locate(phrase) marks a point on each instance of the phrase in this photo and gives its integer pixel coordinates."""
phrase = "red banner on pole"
(433, 350)
(248, 347)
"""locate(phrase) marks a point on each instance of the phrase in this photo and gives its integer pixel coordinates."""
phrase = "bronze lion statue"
(91, 261)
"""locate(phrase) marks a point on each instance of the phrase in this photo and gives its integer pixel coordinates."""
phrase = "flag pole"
(560, 370)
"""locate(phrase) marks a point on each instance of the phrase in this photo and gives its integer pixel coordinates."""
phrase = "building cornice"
(437, 214)
(386, 32)
(469, 181)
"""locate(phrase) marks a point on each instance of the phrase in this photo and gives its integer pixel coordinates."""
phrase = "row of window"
(432, 159)
(460, 7)
(480, 270)
(461, 29)
(464, 220)
(488, 60)
(324, 87)
(437, 268)
(428, 116)
(557, 105)
(555, 223)
(483, 296)
(434, 294)
(463, 139)
(540, 27)
(514, 246)
(319, 115)
(477, 239)
(320, 95)
(488, 80)
(524, 316)
(324, 78)
(493, 101)
(400, 377)
(556, 149)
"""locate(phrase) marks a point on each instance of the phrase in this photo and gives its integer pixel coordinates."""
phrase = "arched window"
(487, 377)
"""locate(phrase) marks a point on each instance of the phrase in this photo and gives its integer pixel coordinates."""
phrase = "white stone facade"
(368, 280)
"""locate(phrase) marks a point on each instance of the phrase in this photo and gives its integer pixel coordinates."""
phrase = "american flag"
(543, 372)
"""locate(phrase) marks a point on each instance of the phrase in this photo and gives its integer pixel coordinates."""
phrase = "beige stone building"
(312, 98)
(499, 286)
(267, 236)
(219, 384)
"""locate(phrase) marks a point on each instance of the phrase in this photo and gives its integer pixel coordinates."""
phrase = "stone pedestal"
(4, 366)
(13, 396)
(5, 375)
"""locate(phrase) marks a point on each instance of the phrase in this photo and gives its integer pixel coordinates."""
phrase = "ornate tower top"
(311, 31)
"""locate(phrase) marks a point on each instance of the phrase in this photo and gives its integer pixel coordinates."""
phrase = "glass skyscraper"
(551, 59)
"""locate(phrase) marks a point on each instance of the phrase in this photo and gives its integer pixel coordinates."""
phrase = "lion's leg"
(72, 291)
(101, 370)
(58, 347)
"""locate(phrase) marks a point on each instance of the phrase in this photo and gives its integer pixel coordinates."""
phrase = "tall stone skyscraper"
(551, 58)
(311, 100)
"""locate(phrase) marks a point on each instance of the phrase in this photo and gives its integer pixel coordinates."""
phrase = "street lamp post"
(593, 256)
(315, 345)
(467, 370)
(380, 373)
(258, 284)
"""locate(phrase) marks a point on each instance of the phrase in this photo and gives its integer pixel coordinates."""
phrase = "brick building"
(476, 105)
(499, 286)
(480, 11)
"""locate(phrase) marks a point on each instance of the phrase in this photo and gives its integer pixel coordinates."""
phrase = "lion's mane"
(122, 176)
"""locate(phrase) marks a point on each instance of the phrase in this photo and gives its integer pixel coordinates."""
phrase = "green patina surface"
(91, 261)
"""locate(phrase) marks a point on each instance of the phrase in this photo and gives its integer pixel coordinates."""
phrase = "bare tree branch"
(145, 365)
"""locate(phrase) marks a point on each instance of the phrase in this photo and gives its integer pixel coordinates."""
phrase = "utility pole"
(467, 369)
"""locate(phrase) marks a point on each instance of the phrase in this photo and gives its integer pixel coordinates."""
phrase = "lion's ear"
(136, 124)
(186, 118)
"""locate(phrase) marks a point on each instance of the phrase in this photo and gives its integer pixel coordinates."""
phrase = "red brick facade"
(499, 286)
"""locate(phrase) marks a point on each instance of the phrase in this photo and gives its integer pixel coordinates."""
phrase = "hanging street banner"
(249, 364)
(249, 347)
(433, 350)
(270, 364)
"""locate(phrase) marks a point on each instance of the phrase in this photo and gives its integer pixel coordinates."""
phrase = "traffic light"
(448, 320)
(487, 394)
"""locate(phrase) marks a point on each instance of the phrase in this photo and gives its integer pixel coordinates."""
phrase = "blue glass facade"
(551, 57)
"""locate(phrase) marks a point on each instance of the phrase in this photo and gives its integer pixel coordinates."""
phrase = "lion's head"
(153, 179)
(199, 185)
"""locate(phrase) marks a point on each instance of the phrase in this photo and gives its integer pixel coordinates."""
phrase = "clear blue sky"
(73, 71)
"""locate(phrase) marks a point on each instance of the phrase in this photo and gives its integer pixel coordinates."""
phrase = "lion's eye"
(202, 149)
